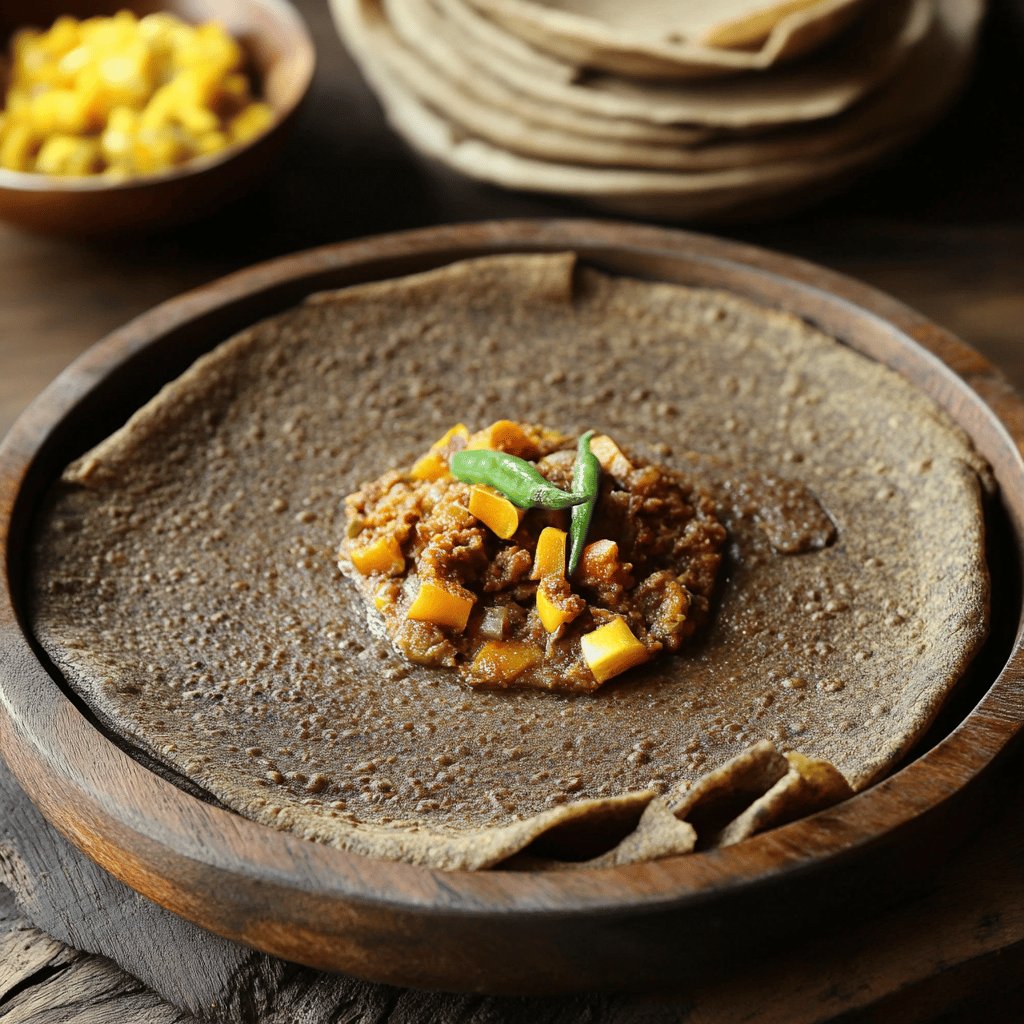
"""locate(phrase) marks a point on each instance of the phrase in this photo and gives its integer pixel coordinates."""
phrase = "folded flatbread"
(674, 38)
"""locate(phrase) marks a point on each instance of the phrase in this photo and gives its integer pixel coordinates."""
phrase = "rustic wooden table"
(941, 229)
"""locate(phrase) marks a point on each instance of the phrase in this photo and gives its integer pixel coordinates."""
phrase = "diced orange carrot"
(609, 454)
(441, 605)
(495, 511)
(550, 557)
(499, 662)
(505, 436)
(611, 649)
(382, 555)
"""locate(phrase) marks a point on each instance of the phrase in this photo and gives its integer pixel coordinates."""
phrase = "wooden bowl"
(281, 59)
(505, 931)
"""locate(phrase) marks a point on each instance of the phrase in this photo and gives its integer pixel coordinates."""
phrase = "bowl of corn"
(133, 114)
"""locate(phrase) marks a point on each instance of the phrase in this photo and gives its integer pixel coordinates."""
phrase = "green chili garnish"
(586, 479)
(520, 481)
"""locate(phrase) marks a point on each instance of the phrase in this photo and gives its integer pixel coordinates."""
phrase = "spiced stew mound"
(652, 557)
(184, 577)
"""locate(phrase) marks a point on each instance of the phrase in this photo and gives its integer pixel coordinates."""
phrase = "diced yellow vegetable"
(500, 662)
(549, 559)
(156, 149)
(68, 155)
(459, 431)
(254, 120)
(382, 555)
(212, 142)
(434, 465)
(608, 453)
(551, 615)
(495, 511)
(18, 147)
(611, 649)
(442, 606)
(505, 436)
(430, 467)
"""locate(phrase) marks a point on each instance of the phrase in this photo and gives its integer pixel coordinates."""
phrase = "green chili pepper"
(586, 479)
(520, 481)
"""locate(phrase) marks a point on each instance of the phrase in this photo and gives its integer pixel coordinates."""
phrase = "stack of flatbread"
(688, 109)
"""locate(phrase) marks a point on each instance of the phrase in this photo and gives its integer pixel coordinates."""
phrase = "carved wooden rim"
(335, 910)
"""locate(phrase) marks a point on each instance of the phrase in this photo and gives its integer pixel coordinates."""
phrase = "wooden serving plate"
(503, 931)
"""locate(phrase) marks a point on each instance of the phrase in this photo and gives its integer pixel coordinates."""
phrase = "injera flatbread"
(184, 577)
(666, 38)
(478, 35)
(903, 103)
(865, 59)
(935, 74)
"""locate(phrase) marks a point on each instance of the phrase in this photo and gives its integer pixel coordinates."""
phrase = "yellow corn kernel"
(63, 35)
(197, 120)
(198, 86)
(158, 149)
(500, 662)
(442, 606)
(382, 555)
(611, 649)
(210, 45)
(159, 111)
(505, 436)
(68, 155)
(127, 76)
(494, 511)
(609, 454)
(18, 147)
(59, 111)
(549, 559)
(254, 120)
(211, 142)
(117, 138)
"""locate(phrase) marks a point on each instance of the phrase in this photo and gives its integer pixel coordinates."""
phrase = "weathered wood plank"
(959, 944)
(42, 981)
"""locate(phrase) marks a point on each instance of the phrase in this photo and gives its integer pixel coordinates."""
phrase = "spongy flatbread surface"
(184, 577)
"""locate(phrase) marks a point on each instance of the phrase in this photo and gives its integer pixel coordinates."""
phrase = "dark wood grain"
(44, 981)
(545, 932)
(953, 953)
